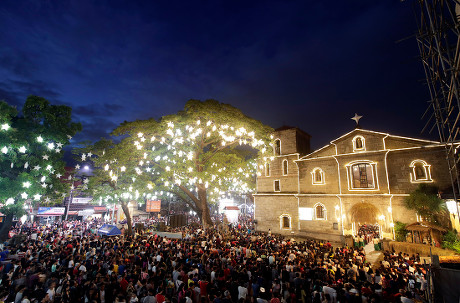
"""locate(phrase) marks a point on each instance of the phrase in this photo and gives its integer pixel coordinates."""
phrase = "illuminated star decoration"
(356, 118)
(45, 157)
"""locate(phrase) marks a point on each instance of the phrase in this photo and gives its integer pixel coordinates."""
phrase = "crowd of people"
(368, 234)
(53, 263)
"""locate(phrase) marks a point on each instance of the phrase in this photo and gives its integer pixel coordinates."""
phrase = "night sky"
(310, 64)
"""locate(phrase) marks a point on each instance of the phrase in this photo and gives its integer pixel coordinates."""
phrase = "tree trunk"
(5, 228)
(203, 205)
(125, 208)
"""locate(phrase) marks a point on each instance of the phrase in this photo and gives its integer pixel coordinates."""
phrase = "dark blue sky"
(310, 64)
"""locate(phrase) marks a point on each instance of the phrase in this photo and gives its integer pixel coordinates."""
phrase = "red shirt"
(160, 298)
(124, 284)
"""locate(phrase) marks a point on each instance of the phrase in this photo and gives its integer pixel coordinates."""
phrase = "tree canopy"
(31, 153)
(198, 154)
(426, 202)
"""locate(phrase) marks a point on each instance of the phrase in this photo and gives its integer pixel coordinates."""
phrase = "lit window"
(285, 167)
(421, 171)
(277, 185)
(277, 147)
(320, 212)
(317, 176)
(285, 222)
(306, 213)
(359, 143)
(267, 169)
(362, 175)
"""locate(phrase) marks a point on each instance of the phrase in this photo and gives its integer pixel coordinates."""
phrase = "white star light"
(26, 184)
(89, 155)
(5, 127)
(4, 149)
(77, 166)
(50, 145)
(70, 137)
(36, 167)
(47, 200)
(356, 118)
(26, 165)
(83, 157)
(24, 195)
(44, 185)
(45, 157)
(22, 149)
(57, 150)
(39, 139)
(86, 181)
(10, 201)
(59, 144)
(58, 176)
(37, 197)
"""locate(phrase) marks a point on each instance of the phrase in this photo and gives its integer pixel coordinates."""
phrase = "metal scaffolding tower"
(438, 40)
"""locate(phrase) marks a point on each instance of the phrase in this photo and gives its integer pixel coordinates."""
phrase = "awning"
(424, 226)
(109, 230)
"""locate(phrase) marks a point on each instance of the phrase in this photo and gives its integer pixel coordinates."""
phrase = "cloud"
(15, 92)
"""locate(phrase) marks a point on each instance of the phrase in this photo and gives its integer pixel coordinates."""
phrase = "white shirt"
(242, 292)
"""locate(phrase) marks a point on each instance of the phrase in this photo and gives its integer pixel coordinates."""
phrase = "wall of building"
(270, 208)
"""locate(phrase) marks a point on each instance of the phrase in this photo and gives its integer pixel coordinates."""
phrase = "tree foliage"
(31, 153)
(426, 202)
(198, 154)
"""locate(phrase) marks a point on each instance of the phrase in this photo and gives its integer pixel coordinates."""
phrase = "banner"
(50, 211)
(153, 206)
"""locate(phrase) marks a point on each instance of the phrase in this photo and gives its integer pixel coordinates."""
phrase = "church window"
(277, 185)
(267, 169)
(420, 171)
(359, 143)
(317, 176)
(277, 147)
(285, 222)
(285, 167)
(362, 175)
(320, 212)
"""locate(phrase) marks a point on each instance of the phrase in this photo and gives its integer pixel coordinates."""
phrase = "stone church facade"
(359, 178)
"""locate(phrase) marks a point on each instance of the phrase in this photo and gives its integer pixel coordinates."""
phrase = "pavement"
(372, 256)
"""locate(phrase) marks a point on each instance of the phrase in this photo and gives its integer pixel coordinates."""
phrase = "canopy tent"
(108, 230)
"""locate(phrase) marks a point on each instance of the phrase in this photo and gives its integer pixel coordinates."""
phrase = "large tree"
(199, 154)
(426, 202)
(31, 155)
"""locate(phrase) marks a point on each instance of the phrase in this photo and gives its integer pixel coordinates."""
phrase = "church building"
(359, 178)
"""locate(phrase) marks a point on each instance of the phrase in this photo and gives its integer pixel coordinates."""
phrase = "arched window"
(363, 176)
(267, 169)
(285, 167)
(421, 171)
(317, 176)
(320, 211)
(285, 221)
(359, 143)
(277, 147)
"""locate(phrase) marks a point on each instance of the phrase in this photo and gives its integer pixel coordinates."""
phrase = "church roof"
(327, 148)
